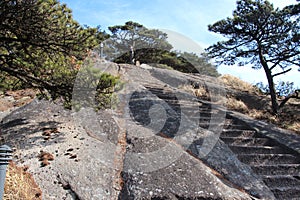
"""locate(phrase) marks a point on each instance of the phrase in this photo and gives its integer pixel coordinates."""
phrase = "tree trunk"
(272, 91)
(270, 82)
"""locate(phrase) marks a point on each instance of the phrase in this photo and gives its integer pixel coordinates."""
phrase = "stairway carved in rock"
(277, 165)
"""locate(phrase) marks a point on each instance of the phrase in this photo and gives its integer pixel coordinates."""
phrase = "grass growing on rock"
(247, 99)
(238, 84)
(288, 118)
(20, 185)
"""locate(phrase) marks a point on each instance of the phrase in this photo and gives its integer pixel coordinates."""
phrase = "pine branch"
(295, 95)
(281, 72)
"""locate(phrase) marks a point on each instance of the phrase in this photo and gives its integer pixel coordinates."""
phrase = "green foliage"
(176, 60)
(94, 88)
(126, 41)
(257, 28)
(105, 96)
(134, 42)
(42, 46)
(161, 66)
(8, 82)
(201, 63)
(260, 35)
(283, 89)
(263, 89)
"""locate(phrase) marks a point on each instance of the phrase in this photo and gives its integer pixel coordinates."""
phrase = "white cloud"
(182, 43)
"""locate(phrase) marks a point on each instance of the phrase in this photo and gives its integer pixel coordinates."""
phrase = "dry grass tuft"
(237, 105)
(289, 117)
(20, 185)
(201, 92)
(45, 157)
(294, 126)
(238, 84)
(257, 107)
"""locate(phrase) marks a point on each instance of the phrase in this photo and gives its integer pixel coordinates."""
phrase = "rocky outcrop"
(246, 164)
(157, 168)
(159, 143)
(271, 152)
(219, 156)
(83, 165)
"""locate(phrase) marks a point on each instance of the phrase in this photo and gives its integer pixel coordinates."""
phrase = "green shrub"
(8, 82)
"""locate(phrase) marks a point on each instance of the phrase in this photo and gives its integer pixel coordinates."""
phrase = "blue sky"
(187, 17)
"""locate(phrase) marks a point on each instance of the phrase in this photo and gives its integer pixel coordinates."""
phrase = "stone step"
(155, 89)
(268, 159)
(246, 141)
(279, 181)
(200, 105)
(190, 103)
(166, 96)
(238, 133)
(286, 193)
(281, 169)
(240, 149)
(202, 119)
(159, 90)
(208, 118)
(206, 114)
(204, 122)
(191, 108)
(235, 127)
(224, 125)
(227, 125)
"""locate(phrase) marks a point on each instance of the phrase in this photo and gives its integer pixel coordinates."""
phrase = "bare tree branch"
(295, 95)
(281, 72)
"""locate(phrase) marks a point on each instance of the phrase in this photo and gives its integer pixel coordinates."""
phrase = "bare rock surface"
(82, 167)
(145, 149)
(160, 169)
(237, 172)
(176, 125)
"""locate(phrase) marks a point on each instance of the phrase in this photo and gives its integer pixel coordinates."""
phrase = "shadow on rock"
(26, 127)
